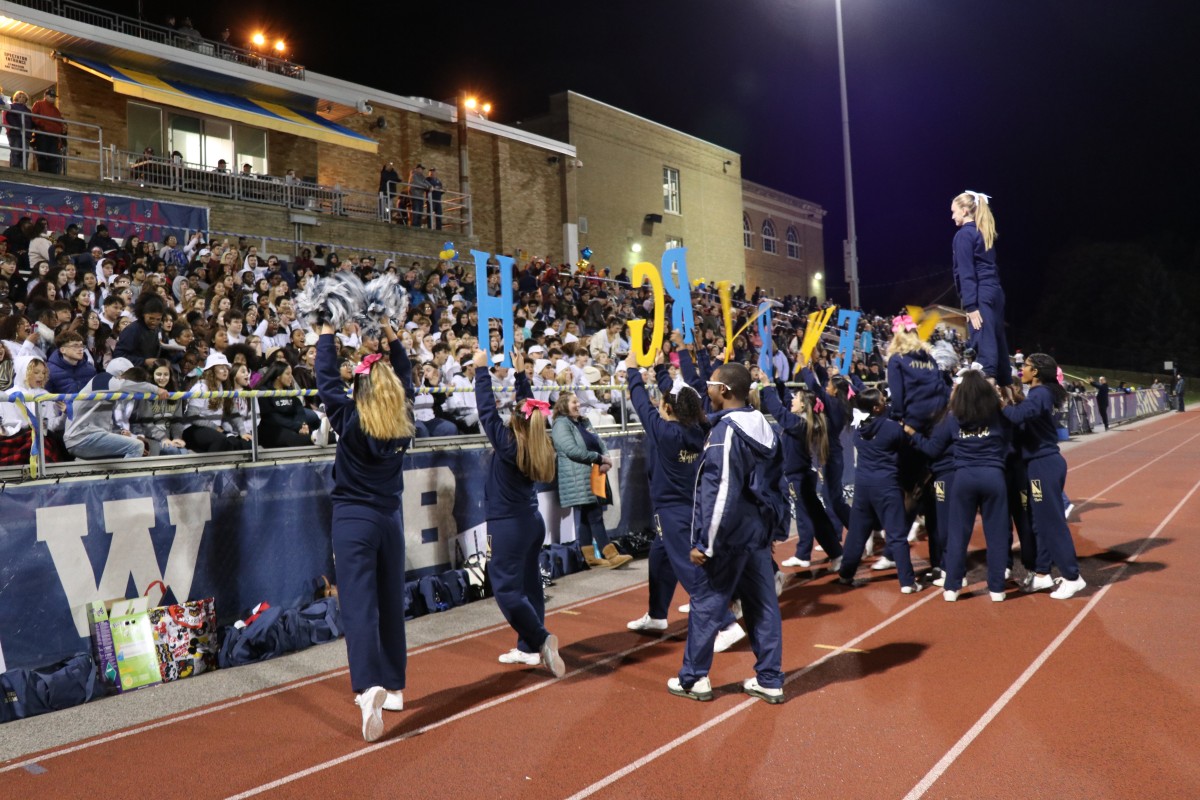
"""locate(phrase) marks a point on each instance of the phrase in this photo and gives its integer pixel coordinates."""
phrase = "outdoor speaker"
(437, 137)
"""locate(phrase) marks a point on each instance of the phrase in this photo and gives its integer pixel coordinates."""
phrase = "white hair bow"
(980, 197)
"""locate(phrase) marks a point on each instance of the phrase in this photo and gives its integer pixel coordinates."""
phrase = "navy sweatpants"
(1046, 478)
(516, 580)
(671, 563)
(812, 520)
(941, 487)
(990, 343)
(368, 546)
(978, 488)
(834, 465)
(750, 574)
(1018, 510)
(878, 507)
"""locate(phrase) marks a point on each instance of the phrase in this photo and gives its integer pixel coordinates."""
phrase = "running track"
(889, 696)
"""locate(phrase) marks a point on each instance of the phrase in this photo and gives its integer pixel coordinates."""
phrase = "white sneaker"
(1068, 589)
(882, 563)
(782, 579)
(869, 547)
(795, 562)
(1070, 508)
(371, 702)
(1040, 583)
(918, 523)
(647, 623)
(940, 580)
(736, 608)
(997, 597)
(751, 687)
(394, 701)
(516, 656)
(1007, 573)
(321, 435)
(686, 608)
(700, 690)
(550, 657)
(912, 588)
(728, 638)
(835, 564)
(949, 596)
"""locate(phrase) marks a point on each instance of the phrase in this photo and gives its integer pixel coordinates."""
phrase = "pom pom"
(384, 299)
(335, 300)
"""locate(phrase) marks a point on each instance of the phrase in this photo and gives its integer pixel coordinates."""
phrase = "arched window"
(793, 243)
(770, 241)
(747, 233)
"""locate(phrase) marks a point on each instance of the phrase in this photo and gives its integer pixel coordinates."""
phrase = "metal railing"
(50, 152)
(420, 206)
(193, 41)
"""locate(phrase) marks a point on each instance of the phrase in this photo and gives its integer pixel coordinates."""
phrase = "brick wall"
(85, 98)
(776, 271)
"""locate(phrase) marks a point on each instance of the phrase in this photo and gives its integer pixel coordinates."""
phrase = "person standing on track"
(1047, 473)
(834, 392)
(524, 456)
(978, 282)
(375, 430)
(738, 510)
(1101, 387)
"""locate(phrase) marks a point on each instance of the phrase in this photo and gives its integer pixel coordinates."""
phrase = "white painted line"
(1134, 443)
(962, 744)
(740, 707)
(1084, 504)
(249, 698)
(473, 710)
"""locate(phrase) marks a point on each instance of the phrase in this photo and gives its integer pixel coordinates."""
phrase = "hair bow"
(904, 322)
(818, 406)
(980, 197)
(530, 406)
(850, 392)
(365, 365)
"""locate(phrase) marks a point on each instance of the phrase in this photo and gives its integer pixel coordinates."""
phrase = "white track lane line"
(50, 754)
(1125, 447)
(742, 706)
(1083, 504)
(962, 744)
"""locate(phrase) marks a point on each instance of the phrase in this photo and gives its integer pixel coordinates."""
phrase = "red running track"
(889, 696)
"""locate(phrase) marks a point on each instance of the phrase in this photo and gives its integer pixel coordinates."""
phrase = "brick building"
(783, 241)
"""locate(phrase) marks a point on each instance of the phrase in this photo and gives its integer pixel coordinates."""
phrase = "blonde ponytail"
(981, 213)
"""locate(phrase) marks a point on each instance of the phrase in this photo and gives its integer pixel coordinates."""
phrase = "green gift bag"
(133, 641)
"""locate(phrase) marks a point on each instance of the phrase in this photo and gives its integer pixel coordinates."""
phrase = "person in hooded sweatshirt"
(374, 431)
(16, 434)
(674, 438)
(70, 364)
(90, 433)
(738, 510)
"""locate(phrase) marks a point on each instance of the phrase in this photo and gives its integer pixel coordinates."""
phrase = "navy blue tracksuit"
(1018, 506)
(835, 412)
(978, 282)
(368, 529)
(938, 446)
(1047, 475)
(733, 524)
(811, 517)
(672, 461)
(515, 527)
(878, 501)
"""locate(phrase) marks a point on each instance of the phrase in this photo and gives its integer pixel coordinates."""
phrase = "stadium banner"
(125, 216)
(1084, 414)
(240, 534)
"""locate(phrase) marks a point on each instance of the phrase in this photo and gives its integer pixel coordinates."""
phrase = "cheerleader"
(524, 456)
(978, 282)
(1047, 474)
(834, 392)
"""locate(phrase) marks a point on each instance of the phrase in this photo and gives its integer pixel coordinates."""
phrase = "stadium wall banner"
(241, 534)
(1122, 407)
(125, 216)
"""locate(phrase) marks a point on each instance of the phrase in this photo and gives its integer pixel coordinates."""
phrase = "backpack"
(29, 692)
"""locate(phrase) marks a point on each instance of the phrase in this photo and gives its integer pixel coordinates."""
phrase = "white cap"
(118, 366)
(570, 337)
(537, 348)
(497, 359)
(540, 365)
(215, 359)
(592, 375)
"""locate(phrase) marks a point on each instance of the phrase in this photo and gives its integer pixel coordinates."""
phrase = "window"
(674, 241)
(747, 232)
(793, 243)
(145, 128)
(204, 142)
(671, 190)
(251, 144)
(770, 242)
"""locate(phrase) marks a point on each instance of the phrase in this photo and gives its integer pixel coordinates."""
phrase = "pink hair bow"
(530, 406)
(818, 406)
(850, 392)
(904, 322)
(365, 365)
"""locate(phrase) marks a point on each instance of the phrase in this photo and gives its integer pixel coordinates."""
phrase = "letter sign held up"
(645, 358)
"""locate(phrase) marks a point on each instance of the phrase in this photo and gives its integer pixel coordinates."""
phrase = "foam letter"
(848, 322)
(641, 271)
(812, 334)
(725, 293)
(766, 355)
(491, 308)
(679, 288)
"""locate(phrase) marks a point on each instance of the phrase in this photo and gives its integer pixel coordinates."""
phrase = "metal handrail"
(404, 200)
(119, 23)
(88, 140)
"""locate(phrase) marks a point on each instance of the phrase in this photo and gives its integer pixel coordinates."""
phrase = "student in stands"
(374, 433)
(282, 422)
(524, 456)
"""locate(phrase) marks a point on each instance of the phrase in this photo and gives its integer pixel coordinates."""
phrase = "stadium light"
(258, 39)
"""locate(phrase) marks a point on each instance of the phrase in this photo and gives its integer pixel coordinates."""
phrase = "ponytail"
(978, 206)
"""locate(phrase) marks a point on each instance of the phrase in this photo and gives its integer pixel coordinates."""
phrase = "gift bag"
(185, 638)
(133, 643)
(103, 652)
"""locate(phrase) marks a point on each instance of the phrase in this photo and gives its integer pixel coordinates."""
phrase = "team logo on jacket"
(1035, 488)
(939, 489)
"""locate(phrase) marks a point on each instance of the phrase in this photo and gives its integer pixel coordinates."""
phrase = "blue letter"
(848, 322)
(491, 308)
(680, 289)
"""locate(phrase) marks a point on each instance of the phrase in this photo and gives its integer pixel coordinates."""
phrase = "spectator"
(16, 436)
(19, 126)
(49, 133)
(90, 434)
(212, 419)
(417, 189)
(282, 419)
(140, 340)
(432, 420)
(435, 198)
(102, 240)
(159, 422)
(70, 365)
(460, 406)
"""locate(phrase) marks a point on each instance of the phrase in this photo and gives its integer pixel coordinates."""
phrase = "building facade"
(782, 237)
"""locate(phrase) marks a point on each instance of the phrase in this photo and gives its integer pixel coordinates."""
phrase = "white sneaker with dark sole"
(700, 690)
(751, 687)
(550, 657)
(1039, 583)
(882, 563)
(516, 656)
(1068, 589)
(728, 638)
(647, 623)
(795, 562)
(912, 588)
(371, 702)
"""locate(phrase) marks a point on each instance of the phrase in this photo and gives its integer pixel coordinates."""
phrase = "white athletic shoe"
(394, 701)
(1040, 583)
(997, 597)
(882, 563)
(949, 596)
(751, 687)
(686, 608)
(1070, 508)
(647, 623)
(371, 702)
(1068, 589)
(728, 638)
(516, 656)
(912, 588)
(320, 436)
(869, 547)
(736, 608)
(550, 657)
(782, 579)
(835, 564)
(700, 690)
(795, 562)
(917, 525)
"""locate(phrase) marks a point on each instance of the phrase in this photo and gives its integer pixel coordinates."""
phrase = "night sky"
(1079, 118)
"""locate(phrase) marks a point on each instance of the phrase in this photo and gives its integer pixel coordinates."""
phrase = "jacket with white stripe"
(739, 503)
